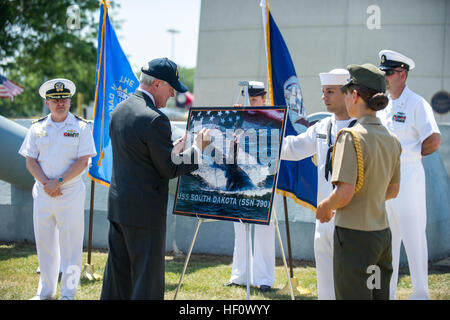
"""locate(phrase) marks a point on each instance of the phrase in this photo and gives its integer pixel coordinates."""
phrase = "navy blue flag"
(296, 179)
(115, 80)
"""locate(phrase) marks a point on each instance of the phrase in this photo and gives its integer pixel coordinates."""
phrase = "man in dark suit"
(143, 163)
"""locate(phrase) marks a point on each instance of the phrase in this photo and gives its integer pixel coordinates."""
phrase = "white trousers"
(59, 230)
(323, 253)
(262, 262)
(407, 216)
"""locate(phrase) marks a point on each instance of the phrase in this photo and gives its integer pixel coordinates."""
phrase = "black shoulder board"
(82, 119)
(37, 120)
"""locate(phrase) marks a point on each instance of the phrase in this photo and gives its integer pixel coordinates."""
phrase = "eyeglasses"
(392, 71)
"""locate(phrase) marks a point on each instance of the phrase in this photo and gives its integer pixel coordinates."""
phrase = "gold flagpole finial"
(106, 3)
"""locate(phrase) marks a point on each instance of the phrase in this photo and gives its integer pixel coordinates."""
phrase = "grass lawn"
(203, 280)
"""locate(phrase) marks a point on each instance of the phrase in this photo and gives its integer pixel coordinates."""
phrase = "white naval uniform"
(59, 222)
(294, 148)
(411, 118)
(262, 262)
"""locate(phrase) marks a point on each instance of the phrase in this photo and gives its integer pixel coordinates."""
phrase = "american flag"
(9, 89)
(214, 118)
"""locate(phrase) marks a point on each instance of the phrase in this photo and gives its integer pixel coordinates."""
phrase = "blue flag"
(115, 80)
(296, 179)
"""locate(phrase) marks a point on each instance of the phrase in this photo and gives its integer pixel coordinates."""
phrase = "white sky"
(143, 33)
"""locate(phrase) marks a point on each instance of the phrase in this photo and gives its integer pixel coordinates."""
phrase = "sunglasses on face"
(392, 71)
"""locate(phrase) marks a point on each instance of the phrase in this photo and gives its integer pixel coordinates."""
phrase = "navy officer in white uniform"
(57, 149)
(319, 140)
(411, 118)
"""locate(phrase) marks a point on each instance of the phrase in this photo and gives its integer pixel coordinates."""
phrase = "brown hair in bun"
(375, 100)
(378, 101)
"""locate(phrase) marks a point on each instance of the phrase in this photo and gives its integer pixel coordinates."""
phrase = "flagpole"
(265, 5)
(105, 10)
(88, 270)
(91, 218)
(267, 34)
(288, 236)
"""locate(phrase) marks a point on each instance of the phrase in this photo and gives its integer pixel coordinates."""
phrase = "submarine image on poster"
(236, 178)
(225, 189)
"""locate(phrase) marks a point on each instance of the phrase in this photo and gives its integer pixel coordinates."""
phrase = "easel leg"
(282, 254)
(199, 222)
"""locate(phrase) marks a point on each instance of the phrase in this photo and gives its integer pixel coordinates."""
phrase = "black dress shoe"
(230, 284)
(264, 288)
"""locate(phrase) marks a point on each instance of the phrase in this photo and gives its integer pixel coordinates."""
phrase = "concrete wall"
(217, 237)
(321, 35)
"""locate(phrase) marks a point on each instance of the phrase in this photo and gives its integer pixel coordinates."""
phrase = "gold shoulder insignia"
(38, 120)
(359, 157)
(82, 119)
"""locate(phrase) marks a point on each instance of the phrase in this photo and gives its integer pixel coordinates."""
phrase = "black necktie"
(328, 163)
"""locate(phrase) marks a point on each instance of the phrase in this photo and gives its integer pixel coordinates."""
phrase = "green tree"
(187, 77)
(37, 43)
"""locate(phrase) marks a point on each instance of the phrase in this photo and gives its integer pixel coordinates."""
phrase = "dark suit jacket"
(142, 166)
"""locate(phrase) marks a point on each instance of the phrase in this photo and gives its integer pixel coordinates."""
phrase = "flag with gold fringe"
(296, 179)
(115, 80)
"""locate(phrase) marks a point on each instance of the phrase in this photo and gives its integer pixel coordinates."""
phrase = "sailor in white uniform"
(411, 118)
(57, 150)
(319, 140)
(262, 261)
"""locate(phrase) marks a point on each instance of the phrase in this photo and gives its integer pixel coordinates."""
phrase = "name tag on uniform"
(71, 133)
(321, 136)
(399, 117)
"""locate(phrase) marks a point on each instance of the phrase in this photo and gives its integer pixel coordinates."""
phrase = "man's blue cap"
(167, 70)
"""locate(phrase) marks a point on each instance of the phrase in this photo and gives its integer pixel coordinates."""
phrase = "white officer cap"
(256, 88)
(57, 89)
(390, 59)
(334, 77)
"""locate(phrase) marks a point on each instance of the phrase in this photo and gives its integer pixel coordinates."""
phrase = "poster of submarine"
(237, 173)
